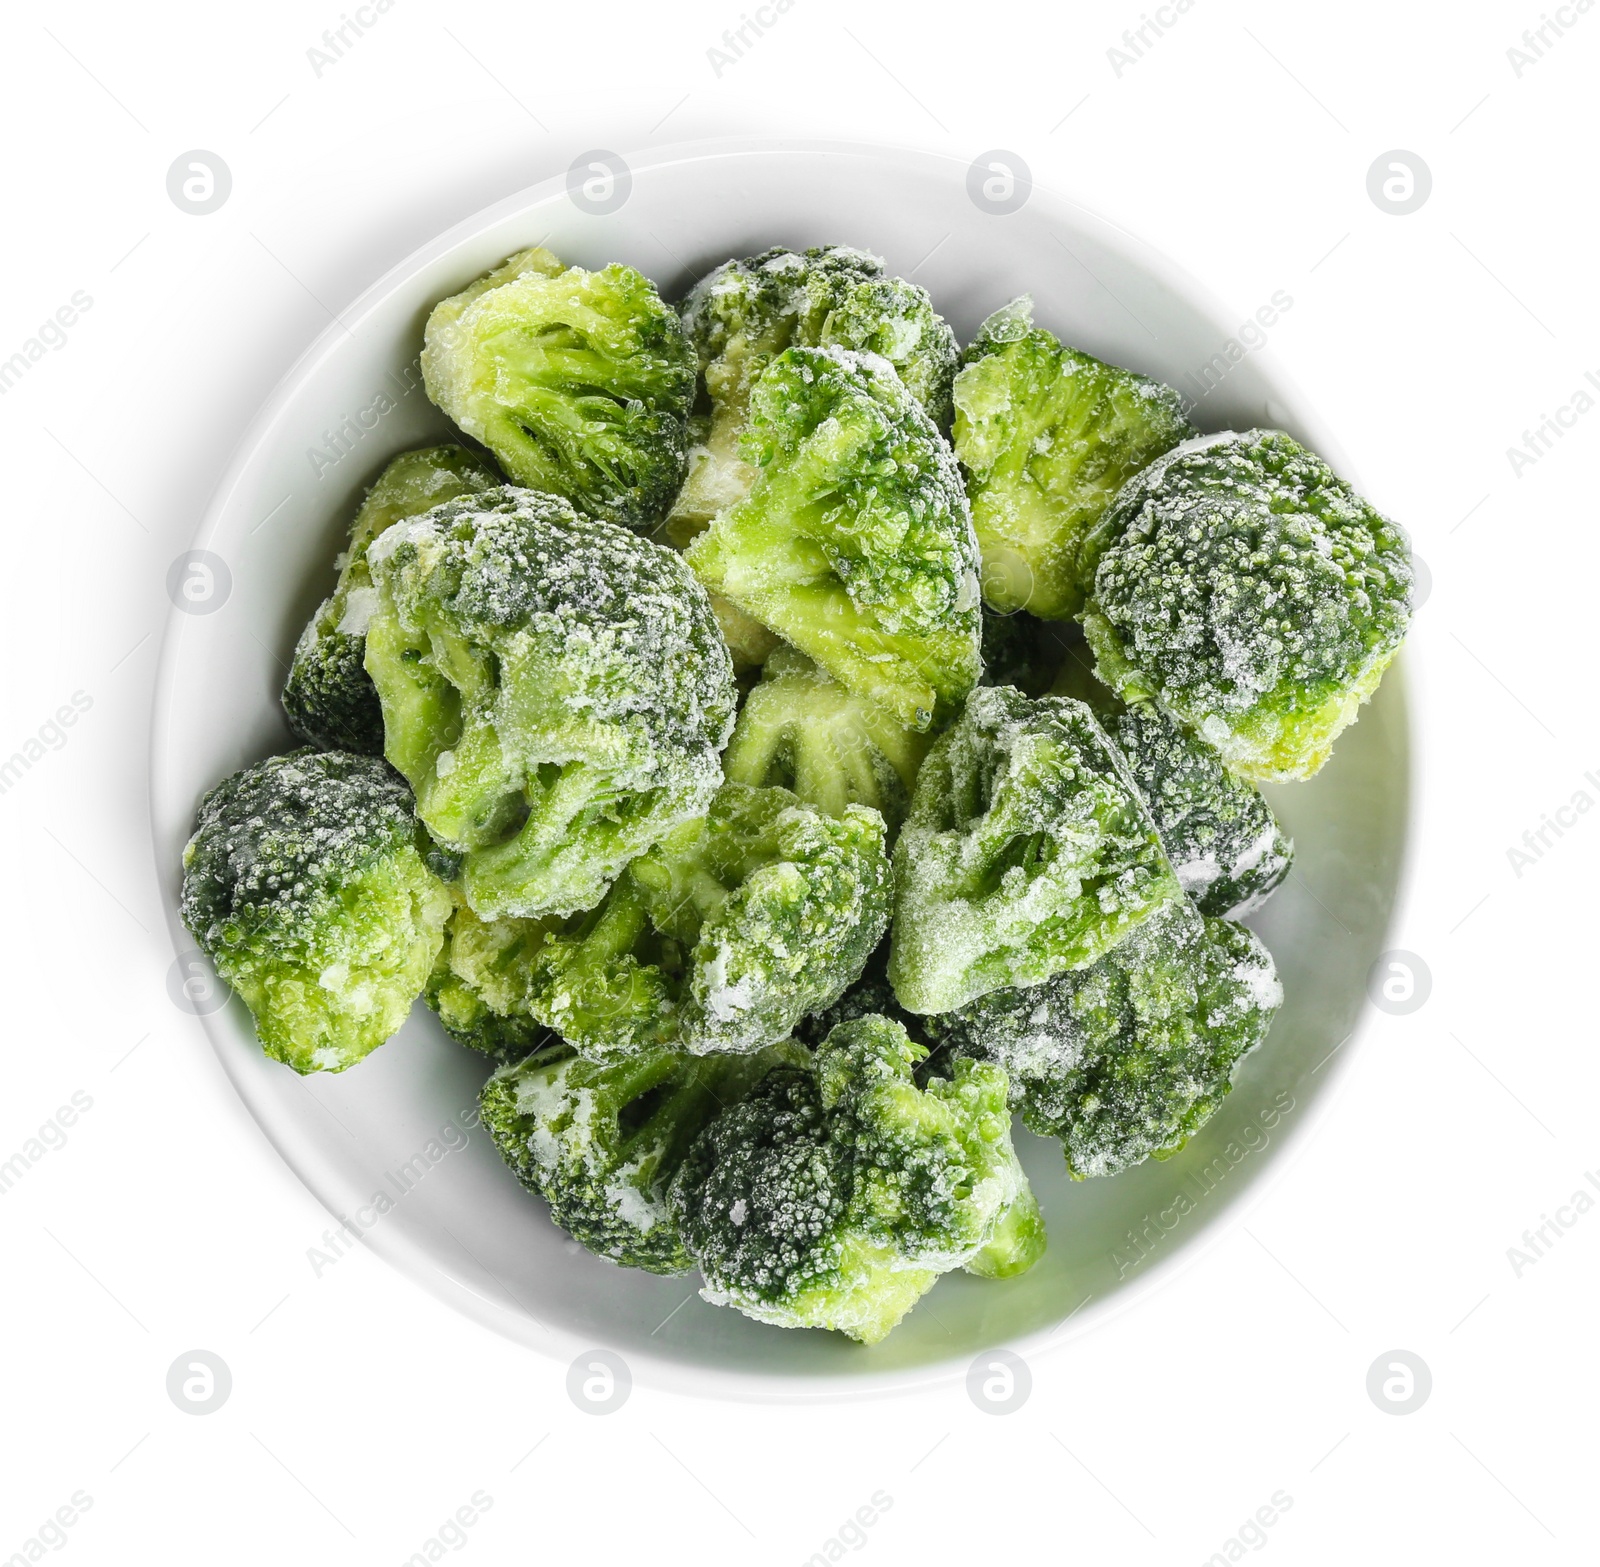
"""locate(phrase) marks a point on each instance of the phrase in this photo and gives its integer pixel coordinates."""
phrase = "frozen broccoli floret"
(1027, 851)
(1048, 435)
(727, 933)
(554, 687)
(329, 697)
(744, 314)
(855, 544)
(601, 1141)
(834, 1197)
(1248, 590)
(1220, 834)
(304, 886)
(480, 985)
(579, 382)
(1130, 1057)
(801, 730)
(1022, 651)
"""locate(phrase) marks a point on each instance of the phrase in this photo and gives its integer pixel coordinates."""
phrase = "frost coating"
(600, 1142)
(329, 697)
(575, 675)
(579, 382)
(800, 729)
(1028, 851)
(855, 544)
(726, 934)
(1048, 435)
(1220, 833)
(834, 1196)
(1130, 1057)
(1253, 594)
(303, 885)
(744, 314)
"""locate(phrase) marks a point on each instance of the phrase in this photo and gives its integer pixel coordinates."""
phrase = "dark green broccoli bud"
(855, 544)
(554, 687)
(1047, 436)
(480, 985)
(800, 729)
(1022, 651)
(601, 1141)
(579, 382)
(744, 314)
(304, 886)
(1130, 1057)
(1248, 590)
(1028, 850)
(329, 697)
(1219, 832)
(727, 933)
(834, 1196)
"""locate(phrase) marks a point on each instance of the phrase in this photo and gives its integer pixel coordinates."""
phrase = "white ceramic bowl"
(457, 1221)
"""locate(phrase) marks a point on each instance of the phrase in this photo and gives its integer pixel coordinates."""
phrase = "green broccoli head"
(481, 983)
(727, 933)
(1019, 1238)
(554, 687)
(1128, 1058)
(600, 1141)
(744, 314)
(855, 544)
(1226, 846)
(834, 1196)
(329, 698)
(1047, 436)
(1027, 851)
(304, 886)
(1244, 587)
(579, 382)
(801, 730)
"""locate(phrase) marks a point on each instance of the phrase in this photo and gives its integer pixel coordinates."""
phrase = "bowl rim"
(664, 1372)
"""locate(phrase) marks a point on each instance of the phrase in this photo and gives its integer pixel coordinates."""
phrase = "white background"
(363, 1413)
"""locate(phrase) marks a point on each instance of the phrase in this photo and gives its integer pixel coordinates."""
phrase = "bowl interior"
(391, 1147)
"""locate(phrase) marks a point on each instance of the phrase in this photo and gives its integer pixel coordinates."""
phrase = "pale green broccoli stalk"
(480, 984)
(329, 697)
(601, 1141)
(834, 1197)
(1047, 436)
(801, 730)
(579, 382)
(1226, 846)
(727, 933)
(855, 544)
(304, 885)
(554, 687)
(744, 314)
(1027, 851)
(749, 642)
(1127, 1059)
(1246, 589)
